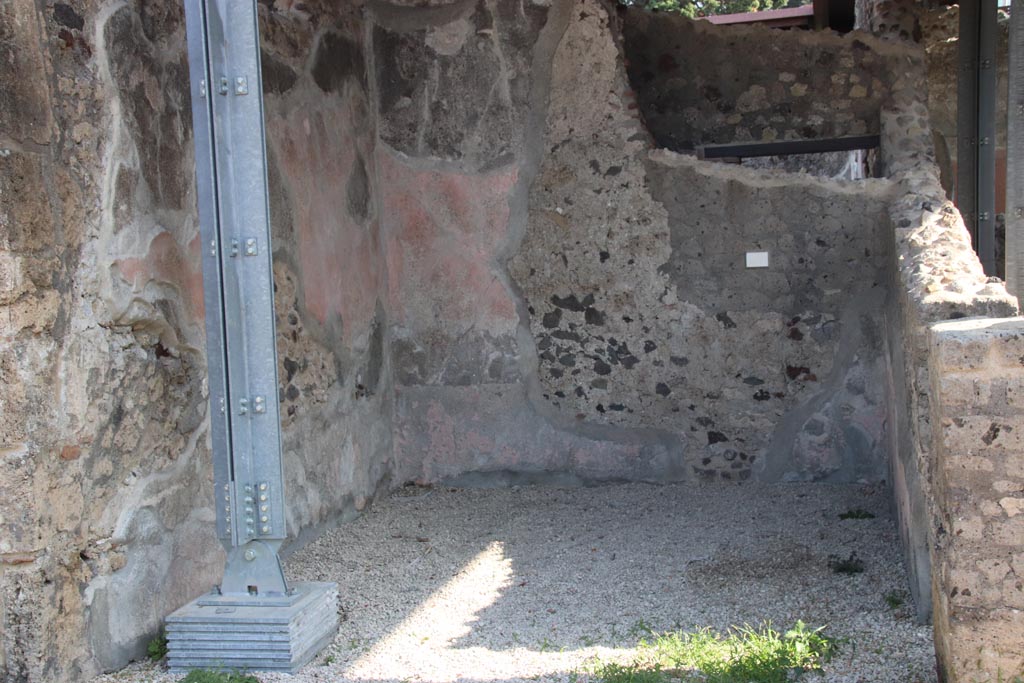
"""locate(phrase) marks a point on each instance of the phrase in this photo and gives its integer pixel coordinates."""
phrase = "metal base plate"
(255, 637)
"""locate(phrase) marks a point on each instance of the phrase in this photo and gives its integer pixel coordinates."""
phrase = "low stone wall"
(956, 468)
(976, 370)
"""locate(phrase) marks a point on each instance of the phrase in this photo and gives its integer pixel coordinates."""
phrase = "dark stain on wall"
(358, 191)
(278, 77)
(338, 58)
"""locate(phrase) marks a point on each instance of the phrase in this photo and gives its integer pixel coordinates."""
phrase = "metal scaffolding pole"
(254, 619)
(1015, 156)
(986, 192)
(976, 126)
(967, 117)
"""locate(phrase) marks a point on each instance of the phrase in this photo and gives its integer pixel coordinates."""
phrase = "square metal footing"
(254, 634)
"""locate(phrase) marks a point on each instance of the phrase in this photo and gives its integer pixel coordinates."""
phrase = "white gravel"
(525, 584)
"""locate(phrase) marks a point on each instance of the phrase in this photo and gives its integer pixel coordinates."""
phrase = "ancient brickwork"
(976, 368)
(329, 271)
(698, 83)
(103, 436)
(468, 405)
(897, 20)
(643, 311)
(948, 379)
(639, 335)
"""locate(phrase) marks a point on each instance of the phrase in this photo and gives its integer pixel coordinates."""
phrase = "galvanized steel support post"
(967, 117)
(1015, 156)
(230, 626)
(986, 192)
(976, 126)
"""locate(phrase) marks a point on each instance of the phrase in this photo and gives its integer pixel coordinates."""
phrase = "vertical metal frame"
(986, 192)
(1015, 155)
(967, 116)
(227, 107)
(206, 191)
(976, 125)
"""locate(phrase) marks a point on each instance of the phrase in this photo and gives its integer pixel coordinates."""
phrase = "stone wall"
(698, 83)
(104, 411)
(487, 272)
(105, 484)
(949, 379)
(455, 174)
(976, 368)
(329, 271)
(649, 318)
(564, 303)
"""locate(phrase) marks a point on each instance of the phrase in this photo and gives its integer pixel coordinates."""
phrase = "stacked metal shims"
(205, 635)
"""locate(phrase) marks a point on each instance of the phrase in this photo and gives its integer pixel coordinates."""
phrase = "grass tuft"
(856, 513)
(851, 565)
(741, 655)
(206, 676)
(156, 649)
(894, 599)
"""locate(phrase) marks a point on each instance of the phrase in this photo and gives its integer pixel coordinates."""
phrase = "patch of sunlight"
(424, 645)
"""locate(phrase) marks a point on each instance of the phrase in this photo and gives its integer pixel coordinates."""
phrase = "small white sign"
(757, 259)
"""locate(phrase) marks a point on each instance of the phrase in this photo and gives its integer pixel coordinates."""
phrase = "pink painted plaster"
(444, 231)
(167, 261)
(338, 258)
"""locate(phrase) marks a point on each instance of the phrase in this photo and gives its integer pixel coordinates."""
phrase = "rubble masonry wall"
(105, 478)
(487, 272)
(956, 464)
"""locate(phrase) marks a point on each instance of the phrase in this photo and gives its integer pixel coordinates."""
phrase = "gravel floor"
(532, 583)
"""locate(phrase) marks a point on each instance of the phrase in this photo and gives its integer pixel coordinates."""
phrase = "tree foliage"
(703, 8)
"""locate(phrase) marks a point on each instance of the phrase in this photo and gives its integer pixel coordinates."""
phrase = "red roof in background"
(789, 16)
(838, 15)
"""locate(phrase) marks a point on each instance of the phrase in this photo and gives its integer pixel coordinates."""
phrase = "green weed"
(856, 513)
(156, 649)
(851, 565)
(640, 628)
(741, 655)
(204, 676)
(894, 599)
(630, 673)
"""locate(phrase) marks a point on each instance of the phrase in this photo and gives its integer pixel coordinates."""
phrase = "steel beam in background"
(231, 626)
(1015, 156)
(746, 150)
(967, 116)
(986, 192)
(976, 126)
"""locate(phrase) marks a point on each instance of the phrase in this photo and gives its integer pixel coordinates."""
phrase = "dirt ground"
(521, 584)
